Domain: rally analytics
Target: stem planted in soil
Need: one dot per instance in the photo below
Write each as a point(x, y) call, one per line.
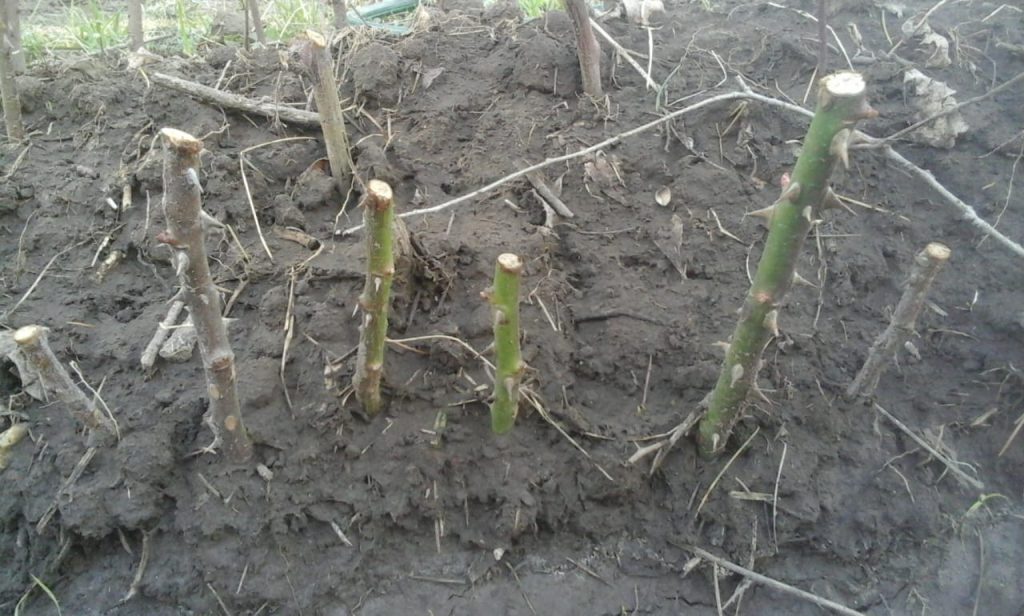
point(927, 265)
point(32, 341)
point(135, 29)
point(509, 366)
point(587, 47)
point(340, 8)
point(183, 211)
point(841, 103)
point(18, 59)
point(8, 88)
point(378, 216)
point(315, 58)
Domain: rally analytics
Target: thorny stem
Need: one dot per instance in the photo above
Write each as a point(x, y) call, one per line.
point(183, 211)
point(378, 215)
point(504, 299)
point(841, 103)
point(927, 265)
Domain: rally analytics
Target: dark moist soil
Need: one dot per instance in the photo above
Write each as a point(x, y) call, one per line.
point(454, 520)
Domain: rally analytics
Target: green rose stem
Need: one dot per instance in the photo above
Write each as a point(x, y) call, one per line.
point(378, 216)
point(504, 300)
point(841, 103)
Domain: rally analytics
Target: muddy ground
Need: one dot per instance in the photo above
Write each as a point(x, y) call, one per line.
point(454, 520)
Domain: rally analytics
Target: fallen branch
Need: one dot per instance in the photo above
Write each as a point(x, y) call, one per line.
point(744, 93)
point(968, 212)
point(235, 101)
point(773, 583)
point(950, 464)
point(549, 195)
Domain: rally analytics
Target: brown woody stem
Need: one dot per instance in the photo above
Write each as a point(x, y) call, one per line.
point(55, 379)
point(587, 47)
point(927, 265)
point(183, 211)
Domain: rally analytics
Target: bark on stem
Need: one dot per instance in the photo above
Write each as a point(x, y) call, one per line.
point(509, 366)
point(257, 21)
point(340, 14)
point(316, 59)
point(587, 47)
point(375, 301)
point(927, 265)
point(841, 103)
point(8, 88)
point(18, 59)
point(183, 211)
point(135, 29)
point(55, 379)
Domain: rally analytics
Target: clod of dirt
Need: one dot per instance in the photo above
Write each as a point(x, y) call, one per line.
point(540, 58)
point(313, 188)
point(375, 73)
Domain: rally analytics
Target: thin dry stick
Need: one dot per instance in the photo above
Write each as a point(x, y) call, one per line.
point(76, 472)
point(6, 315)
point(718, 477)
point(968, 212)
point(945, 112)
point(772, 583)
point(162, 331)
point(140, 571)
point(954, 467)
point(624, 53)
point(729, 96)
point(927, 265)
point(549, 195)
point(744, 93)
point(242, 161)
point(775, 498)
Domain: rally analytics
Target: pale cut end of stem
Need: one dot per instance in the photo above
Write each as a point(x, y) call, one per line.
point(849, 86)
point(937, 252)
point(379, 194)
point(180, 140)
point(845, 83)
point(28, 335)
point(510, 263)
point(316, 38)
